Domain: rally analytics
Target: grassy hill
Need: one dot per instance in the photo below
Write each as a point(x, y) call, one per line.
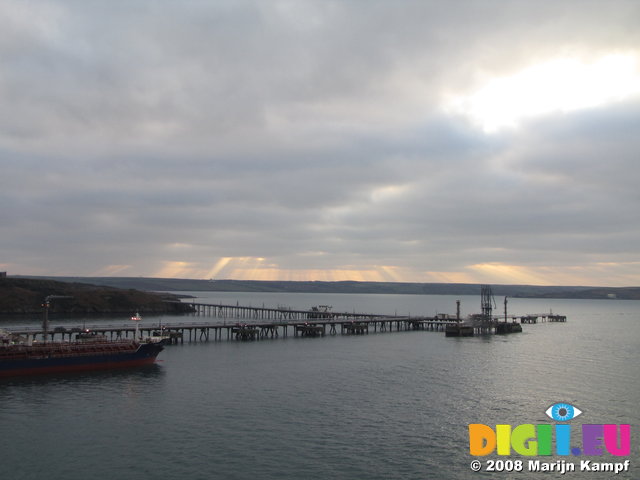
point(26, 295)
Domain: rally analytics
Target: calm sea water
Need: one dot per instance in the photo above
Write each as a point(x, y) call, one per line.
point(377, 406)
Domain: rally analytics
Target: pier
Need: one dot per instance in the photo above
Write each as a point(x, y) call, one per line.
point(255, 323)
point(486, 322)
point(286, 314)
point(542, 317)
point(174, 333)
point(282, 314)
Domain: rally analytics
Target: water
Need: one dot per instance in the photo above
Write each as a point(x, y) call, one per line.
point(377, 406)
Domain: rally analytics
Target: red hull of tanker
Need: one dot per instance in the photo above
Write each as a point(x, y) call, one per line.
point(19, 360)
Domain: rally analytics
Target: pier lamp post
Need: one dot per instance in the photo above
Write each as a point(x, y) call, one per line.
point(505, 309)
point(45, 314)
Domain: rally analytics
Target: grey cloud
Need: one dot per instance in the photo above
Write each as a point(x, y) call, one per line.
point(309, 133)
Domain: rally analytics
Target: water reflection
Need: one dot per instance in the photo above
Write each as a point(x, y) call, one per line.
point(143, 373)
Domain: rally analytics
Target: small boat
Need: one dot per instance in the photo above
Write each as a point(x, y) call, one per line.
point(160, 335)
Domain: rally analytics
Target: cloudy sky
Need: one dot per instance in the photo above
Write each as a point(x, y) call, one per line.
point(379, 140)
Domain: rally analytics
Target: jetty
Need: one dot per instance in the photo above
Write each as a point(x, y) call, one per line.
point(239, 322)
point(237, 330)
point(261, 323)
point(321, 312)
point(486, 322)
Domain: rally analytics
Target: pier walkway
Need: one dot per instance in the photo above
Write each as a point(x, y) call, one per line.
point(287, 314)
point(235, 322)
point(283, 314)
point(206, 331)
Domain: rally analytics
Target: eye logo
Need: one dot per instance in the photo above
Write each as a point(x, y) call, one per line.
point(562, 412)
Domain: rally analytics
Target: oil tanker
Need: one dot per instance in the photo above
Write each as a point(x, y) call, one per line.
point(17, 359)
point(88, 352)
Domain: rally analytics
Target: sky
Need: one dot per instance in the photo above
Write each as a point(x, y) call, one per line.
point(407, 141)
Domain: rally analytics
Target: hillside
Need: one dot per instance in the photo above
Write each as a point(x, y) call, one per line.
point(530, 291)
point(24, 295)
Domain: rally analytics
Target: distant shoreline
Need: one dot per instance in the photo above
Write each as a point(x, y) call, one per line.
point(151, 284)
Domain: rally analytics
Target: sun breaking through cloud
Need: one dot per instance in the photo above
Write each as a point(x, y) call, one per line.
point(560, 85)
